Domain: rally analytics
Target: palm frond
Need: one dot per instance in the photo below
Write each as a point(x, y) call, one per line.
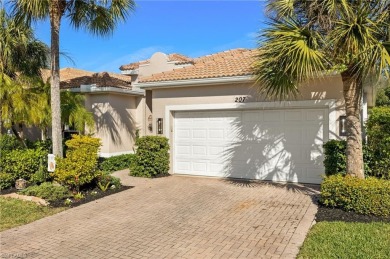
point(288, 55)
point(98, 17)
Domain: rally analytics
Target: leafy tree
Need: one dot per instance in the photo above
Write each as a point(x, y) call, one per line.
point(383, 96)
point(306, 39)
point(21, 59)
point(97, 16)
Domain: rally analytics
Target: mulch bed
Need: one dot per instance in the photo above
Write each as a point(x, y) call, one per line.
point(89, 195)
point(335, 214)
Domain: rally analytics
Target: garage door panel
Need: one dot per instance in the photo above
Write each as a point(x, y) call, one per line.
point(278, 145)
point(199, 134)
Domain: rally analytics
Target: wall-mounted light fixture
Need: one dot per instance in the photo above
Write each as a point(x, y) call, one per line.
point(343, 126)
point(150, 125)
point(159, 126)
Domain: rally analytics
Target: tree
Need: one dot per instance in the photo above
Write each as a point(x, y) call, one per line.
point(21, 59)
point(97, 16)
point(307, 39)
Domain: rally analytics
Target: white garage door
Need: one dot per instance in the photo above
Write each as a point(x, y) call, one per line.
point(277, 145)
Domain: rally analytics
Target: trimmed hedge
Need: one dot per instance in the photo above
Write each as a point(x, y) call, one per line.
point(116, 163)
point(364, 196)
point(152, 157)
point(23, 163)
point(80, 166)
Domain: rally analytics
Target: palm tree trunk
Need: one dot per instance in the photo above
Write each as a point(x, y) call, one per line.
point(55, 20)
point(353, 90)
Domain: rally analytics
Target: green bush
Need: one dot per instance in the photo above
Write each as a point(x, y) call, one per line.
point(335, 158)
point(105, 180)
point(364, 196)
point(47, 191)
point(152, 157)
point(8, 143)
point(80, 165)
point(335, 161)
point(6, 181)
point(116, 163)
point(378, 141)
point(23, 163)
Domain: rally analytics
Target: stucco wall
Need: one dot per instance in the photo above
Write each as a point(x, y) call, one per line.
point(323, 89)
point(329, 88)
point(115, 120)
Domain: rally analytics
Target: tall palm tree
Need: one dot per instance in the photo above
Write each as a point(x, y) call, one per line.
point(307, 39)
point(97, 16)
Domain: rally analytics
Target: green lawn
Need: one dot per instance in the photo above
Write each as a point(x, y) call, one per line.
point(347, 240)
point(15, 212)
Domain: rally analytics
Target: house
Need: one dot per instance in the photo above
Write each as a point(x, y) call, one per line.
point(217, 123)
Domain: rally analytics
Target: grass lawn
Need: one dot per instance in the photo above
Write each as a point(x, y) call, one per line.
point(347, 240)
point(14, 212)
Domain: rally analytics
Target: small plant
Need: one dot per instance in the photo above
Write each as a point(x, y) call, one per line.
point(68, 202)
point(78, 196)
point(105, 180)
point(47, 191)
point(103, 187)
point(152, 157)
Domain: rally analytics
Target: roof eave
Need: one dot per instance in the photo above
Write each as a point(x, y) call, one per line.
point(195, 82)
point(95, 89)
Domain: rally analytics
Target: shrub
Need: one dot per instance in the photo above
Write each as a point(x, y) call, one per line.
point(8, 143)
point(335, 158)
point(335, 161)
point(80, 165)
point(378, 144)
point(6, 181)
point(105, 180)
point(364, 196)
point(152, 157)
point(42, 175)
point(116, 163)
point(23, 163)
point(47, 191)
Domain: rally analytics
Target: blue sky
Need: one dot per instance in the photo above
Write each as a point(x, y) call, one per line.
point(192, 28)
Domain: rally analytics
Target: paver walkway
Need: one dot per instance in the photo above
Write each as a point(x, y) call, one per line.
point(174, 217)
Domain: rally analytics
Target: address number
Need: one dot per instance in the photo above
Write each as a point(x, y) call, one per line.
point(240, 99)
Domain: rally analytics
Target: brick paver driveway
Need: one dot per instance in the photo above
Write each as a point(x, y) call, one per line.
point(174, 217)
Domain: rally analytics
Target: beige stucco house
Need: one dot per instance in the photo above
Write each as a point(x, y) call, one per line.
point(216, 121)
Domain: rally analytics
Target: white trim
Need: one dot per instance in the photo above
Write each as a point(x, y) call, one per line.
point(95, 89)
point(195, 82)
point(115, 153)
point(330, 104)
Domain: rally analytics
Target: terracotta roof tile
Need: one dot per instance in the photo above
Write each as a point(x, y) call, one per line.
point(73, 78)
point(236, 62)
point(179, 58)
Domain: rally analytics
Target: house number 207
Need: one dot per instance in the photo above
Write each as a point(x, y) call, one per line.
point(240, 99)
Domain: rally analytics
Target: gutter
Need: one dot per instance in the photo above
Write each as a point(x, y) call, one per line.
point(95, 89)
point(195, 82)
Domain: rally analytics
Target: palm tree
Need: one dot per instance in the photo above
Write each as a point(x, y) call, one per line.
point(21, 59)
point(307, 39)
point(97, 16)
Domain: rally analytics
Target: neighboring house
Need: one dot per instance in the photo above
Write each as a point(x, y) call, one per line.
point(216, 121)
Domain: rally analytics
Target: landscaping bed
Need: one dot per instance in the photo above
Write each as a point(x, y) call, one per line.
point(336, 214)
point(89, 195)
